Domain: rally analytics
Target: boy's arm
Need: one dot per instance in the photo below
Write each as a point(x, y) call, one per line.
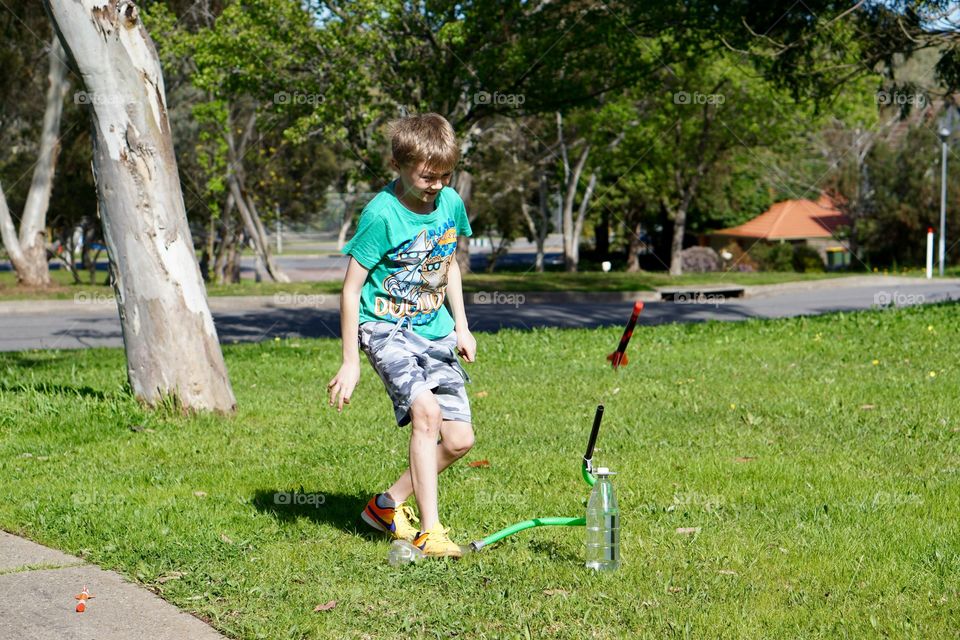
point(466, 344)
point(343, 384)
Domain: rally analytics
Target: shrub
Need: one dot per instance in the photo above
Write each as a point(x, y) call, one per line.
point(807, 259)
point(699, 260)
point(773, 257)
point(739, 260)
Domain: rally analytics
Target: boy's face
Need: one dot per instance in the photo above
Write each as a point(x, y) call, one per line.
point(422, 183)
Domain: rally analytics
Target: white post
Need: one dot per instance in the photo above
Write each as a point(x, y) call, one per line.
point(929, 252)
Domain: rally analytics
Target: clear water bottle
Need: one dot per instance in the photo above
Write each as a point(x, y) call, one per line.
point(402, 552)
point(603, 525)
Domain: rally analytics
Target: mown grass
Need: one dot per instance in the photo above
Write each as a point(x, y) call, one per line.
point(818, 459)
point(65, 289)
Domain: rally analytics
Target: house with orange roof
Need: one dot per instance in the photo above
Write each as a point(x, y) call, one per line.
point(816, 224)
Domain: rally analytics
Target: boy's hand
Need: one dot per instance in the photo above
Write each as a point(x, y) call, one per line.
point(343, 384)
point(466, 345)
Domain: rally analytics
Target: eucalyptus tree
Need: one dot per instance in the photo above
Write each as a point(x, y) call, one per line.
point(168, 331)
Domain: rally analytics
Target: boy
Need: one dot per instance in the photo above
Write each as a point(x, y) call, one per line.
point(402, 268)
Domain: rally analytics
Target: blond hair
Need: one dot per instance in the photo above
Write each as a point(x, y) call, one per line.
point(427, 138)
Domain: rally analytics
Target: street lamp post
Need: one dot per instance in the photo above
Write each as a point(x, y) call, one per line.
point(944, 137)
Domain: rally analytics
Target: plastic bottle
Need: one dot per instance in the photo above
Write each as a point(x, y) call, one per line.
point(603, 525)
point(402, 552)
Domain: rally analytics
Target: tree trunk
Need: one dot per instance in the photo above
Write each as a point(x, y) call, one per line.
point(601, 233)
point(676, 245)
point(464, 187)
point(251, 222)
point(171, 342)
point(578, 223)
point(633, 248)
point(28, 253)
point(571, 237)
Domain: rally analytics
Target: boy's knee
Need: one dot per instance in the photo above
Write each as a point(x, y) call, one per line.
point(426, 416)
point(458, 444)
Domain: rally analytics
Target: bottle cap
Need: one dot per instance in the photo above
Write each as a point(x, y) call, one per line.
point(603, 472)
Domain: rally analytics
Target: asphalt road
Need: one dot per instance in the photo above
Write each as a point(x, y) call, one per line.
point(82, 326)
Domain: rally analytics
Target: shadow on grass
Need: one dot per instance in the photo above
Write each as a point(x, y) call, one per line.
point(47, 388)
point(27, 359)
point(337, 509)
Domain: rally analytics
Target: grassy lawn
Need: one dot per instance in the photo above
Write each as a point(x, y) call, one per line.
point(818, 461)
point(64, 289)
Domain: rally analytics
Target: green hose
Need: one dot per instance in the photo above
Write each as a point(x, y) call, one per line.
point(537, 522)
point(587, 476)
point(528, 524)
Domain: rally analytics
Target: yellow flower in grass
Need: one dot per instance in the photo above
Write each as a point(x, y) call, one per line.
point(933, 374)
point(875, 362)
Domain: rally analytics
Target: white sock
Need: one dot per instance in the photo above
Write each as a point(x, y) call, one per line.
point(386, 502)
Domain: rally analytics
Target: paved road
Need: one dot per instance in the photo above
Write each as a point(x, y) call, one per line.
point(81, 326)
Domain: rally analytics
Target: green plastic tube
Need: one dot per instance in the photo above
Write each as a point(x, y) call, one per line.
point(528, 524)
point(537, 522)
point(587, 476)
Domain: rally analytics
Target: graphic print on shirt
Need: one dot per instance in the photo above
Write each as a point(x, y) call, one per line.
point(418, 288)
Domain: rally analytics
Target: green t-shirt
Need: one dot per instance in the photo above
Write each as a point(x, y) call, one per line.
point(408, 255)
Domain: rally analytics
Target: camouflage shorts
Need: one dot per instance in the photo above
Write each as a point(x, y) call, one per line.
point(410, 364)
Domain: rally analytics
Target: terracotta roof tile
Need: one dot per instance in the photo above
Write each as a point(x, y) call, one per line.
point(792, 220)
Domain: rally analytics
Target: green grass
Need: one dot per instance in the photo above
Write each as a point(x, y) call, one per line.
point(597, 281)
point(819, 458)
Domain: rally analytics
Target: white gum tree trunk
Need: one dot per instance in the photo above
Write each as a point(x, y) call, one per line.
point(168, 332)
point(28, 250)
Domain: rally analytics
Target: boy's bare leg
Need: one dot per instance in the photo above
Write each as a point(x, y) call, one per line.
point(427, 459)
point(456, 439)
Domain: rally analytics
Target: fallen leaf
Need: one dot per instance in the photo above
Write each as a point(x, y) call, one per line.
point(325, 607)
point(727, 572)
point(555, 592)
point(674, 589)
point(200, 494)
point(137, 427)
point(226, 538)
point(481, 394)
point(868, 407)
point(744, 459)
point(688, 530)
point(479, 463)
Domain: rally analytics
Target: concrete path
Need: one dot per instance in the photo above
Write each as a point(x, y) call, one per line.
point(38, 585)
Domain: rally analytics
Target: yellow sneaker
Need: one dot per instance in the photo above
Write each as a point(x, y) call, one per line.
point(396, 523)
point(437, 544)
